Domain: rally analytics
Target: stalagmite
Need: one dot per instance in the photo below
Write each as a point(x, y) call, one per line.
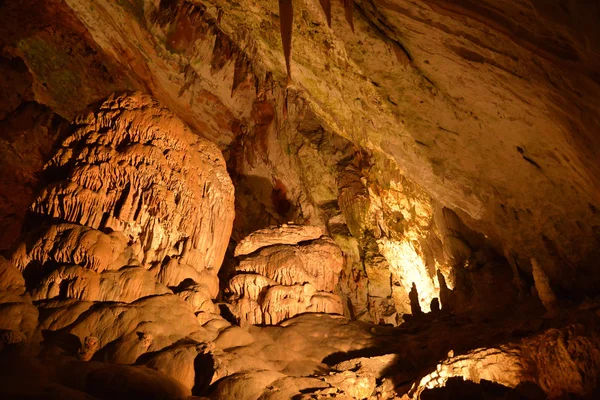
point(131, 231)
point(415, 307)
point(544, 291)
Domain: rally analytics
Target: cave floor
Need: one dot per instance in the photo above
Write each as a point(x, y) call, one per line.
point(317, 356)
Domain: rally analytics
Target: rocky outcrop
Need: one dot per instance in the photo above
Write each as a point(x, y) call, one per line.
point(559, 361)
point(131, 187)
point(398, 363)
point(284, 234)
point(284, 279)
point(125, 244)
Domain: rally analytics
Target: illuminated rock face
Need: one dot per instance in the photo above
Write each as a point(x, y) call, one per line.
point(312, 152)
point(133, 170)
point(278, 281)
point(394, 222)
point(128, 236)
point(557, 361)
point(285, 234)
point(133, 167)
point(463, 125)
point(442, 152)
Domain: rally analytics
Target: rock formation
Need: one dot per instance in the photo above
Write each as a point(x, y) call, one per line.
point(543, 288)
point(262, 200)
point(135, 209)
point(285, 271)
point(551, 360)
point(130, 187)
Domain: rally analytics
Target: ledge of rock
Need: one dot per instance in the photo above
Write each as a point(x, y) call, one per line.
point(278, 281)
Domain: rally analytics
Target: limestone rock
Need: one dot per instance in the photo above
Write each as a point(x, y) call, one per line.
point(88, 348)
point(245, 385)
point(178, 362)
point(58, 314)
point(290, 387)
point(317, 262)
point(353, 385)
point(233, 336)
point(18, 316)
point(135, 202)
point(279, 281)
point(543, 288)
point(250, 286)
point(133, 167)
point(419, 120)
point(559, 361)
point(124, 285)
point(19, 319)
point(126, 331)
point(74, 244)
point(199, 297)
point(121, 382)
point(11, 280)
point(228, 363)
point(284, 234)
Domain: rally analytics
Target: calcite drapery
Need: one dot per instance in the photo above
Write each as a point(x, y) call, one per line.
point(134, 167)
point(276, 282)
point(130, 233)
point(284, 234)
point(138, 188)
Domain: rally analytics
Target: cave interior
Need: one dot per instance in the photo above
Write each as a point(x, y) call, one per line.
point(261, 200)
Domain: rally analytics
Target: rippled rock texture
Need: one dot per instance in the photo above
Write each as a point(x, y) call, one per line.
point(124, 244)
point(284, 272)
point(130, 187)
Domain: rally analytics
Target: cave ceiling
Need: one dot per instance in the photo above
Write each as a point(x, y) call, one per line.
point(490, 106)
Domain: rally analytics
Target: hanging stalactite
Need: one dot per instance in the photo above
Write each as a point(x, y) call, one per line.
point(286, 15)
point(326, 5)
point(348, 12)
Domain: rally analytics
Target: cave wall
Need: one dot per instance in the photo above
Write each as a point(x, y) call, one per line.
point(176, 213)
point(423, 109)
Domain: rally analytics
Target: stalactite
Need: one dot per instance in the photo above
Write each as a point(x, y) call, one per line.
point(286, 15)
point(326, 5)
point(348, 12)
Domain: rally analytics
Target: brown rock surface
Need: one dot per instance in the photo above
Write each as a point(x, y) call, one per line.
point(133, 167)
point(19, 317)
point(134, 202)
point(134, 171)
point(455, 95)
point(434, 158)
point(285, 234)
point(559, 361)
point(278, 281)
